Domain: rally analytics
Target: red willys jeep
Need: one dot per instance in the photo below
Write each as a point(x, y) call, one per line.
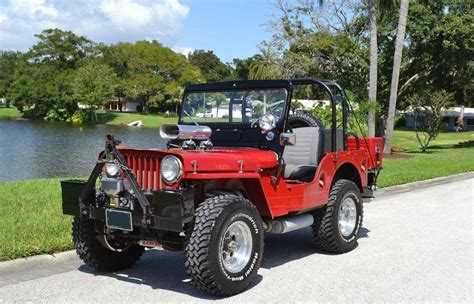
point(238, 164)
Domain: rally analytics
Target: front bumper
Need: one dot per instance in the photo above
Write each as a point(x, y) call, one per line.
point(170, 211)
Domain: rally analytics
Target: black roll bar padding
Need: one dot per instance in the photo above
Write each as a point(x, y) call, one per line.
point(345, 109)
point(349, 106)
point(279, 168)
point(231, 107)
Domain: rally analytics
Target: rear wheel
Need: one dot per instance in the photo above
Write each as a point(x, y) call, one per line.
point(302, 119)
point(100, 250)
point(337, 224)
point(224, 245)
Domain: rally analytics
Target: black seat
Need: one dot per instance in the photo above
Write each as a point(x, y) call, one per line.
point(301, 160)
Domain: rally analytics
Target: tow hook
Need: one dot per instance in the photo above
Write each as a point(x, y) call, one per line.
point(146, 220)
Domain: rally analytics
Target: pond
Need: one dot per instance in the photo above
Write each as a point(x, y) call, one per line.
point(36, 149)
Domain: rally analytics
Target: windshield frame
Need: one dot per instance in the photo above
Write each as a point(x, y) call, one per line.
point(230, 86)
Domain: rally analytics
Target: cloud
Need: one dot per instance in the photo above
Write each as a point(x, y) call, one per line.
point(126, 14)
point(33, 9)
point(183, 50)
point(106, 21)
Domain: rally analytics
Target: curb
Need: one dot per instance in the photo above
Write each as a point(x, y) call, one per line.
point(39, 259)
point(25, 269)
point(398, 189)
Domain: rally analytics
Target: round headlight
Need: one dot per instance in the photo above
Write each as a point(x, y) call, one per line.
point(171, 169)
point(112, 169)
point(267, 122)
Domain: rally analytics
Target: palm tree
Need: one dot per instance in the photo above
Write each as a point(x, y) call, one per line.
point(265, 66)
point(397, 59)
point(218, 99)
point(372, 8)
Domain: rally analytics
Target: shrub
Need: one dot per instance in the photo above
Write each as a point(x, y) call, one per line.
point(80, 116)
point(429, 108)
point(400, 121)
point(35, 112)
point(56, 115)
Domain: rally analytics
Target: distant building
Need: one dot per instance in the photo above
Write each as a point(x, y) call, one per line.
point(121, 105)
point(451, 117)
point(115, 105)
point(3, 101)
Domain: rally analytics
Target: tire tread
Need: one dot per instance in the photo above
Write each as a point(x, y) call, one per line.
point(198, 236)
point(94, 254)
point(323, 230)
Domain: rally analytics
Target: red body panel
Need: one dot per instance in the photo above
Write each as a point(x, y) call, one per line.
point(373, 146)
point(256, 172)
point(222, 159)
point(290, 196)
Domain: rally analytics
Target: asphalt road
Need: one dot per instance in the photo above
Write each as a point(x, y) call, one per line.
point(416, 245)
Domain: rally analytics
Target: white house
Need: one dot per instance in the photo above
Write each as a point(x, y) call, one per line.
point(122, 105)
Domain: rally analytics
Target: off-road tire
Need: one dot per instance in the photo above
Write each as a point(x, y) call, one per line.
point(203, 237)
point(95, 254)
point(326, 227)
point(302, 119)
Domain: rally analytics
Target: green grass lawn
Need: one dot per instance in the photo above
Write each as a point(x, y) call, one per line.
point(31, 220)
point(11, 112)
point(149, 120)
point(444, 157)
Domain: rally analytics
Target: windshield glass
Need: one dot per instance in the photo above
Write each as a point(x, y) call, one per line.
point(243, 106)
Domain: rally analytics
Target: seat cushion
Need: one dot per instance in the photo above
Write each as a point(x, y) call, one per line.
point(306, 149)
point(301, 159)
point(304, 173)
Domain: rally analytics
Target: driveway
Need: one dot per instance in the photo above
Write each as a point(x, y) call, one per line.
point(416, 245)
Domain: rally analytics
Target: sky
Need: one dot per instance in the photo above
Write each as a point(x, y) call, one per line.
point(230, 28)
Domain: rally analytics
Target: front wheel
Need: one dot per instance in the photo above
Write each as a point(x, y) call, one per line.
point(224, 245)
point(101, 251)
point(337, 224)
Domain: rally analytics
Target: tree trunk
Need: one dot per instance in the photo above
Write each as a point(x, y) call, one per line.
point(397, 59)
point(460, 121)
point(373, 66)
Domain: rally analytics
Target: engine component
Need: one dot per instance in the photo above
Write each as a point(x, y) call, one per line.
point(173, 131)
point(111, 186)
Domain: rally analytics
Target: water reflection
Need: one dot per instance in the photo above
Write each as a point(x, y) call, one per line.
point(35, 149)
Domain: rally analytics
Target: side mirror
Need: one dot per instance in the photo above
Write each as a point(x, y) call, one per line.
point(287, 139)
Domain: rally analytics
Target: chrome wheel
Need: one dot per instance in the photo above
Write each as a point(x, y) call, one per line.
point(236, 247)
point(347, 216)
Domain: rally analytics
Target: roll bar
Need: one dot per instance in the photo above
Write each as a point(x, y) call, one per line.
point(341, 97)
